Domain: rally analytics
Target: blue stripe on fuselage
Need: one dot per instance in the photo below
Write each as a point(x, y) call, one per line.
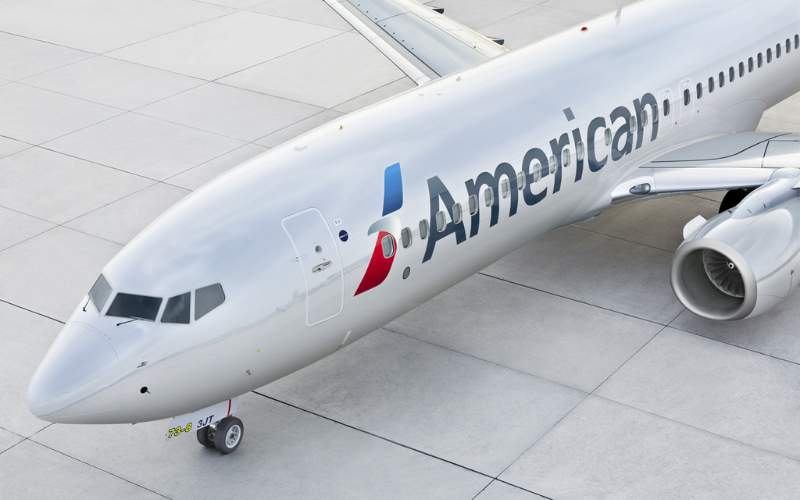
point(392, 189)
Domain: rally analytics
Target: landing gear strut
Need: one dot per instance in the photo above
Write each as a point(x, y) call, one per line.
point(733, 198)
point(224, 436)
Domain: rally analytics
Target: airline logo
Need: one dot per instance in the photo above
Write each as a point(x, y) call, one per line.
point(380, 264)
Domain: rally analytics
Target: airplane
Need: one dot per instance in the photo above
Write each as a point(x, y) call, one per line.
point(307, 247)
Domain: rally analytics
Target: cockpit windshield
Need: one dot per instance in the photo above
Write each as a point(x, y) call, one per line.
point(100, 292)
point(126, 305)
point(177, 311)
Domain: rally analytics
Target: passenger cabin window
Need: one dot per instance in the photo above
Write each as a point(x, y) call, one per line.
point(760, 59)
point(504, 188)
point(778, 51)
point(177, 309)
point(441, 221)
point(472, 204)
point(521, 181)
point(788, 46)
point(566, 157)
point(797, 42)
point(750, 65)
point(699, 90)
point(769, 56)
point(488, 197)
point(126, 305)
point(580, 151)
point(405, 237)
point(711, 85)
point(457, 213)
point(721, 79)
point(741, 69)
point(536, 171)
point(210, 297)
point(608, 137)
point(387, 247)
point(99, 293)
point(687, 97)
point(423, 229)
point(731, 74)
point(666, 107)
point(645, 118)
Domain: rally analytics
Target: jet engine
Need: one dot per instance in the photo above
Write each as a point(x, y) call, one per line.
point(746, 260)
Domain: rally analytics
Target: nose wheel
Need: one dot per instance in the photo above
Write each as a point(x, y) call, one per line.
point(224, 436)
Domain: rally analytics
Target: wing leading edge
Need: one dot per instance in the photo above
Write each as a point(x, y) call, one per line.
point(423, 43)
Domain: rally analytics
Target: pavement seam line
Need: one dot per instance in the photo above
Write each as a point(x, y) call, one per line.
point(382, 438)
point(39, 443)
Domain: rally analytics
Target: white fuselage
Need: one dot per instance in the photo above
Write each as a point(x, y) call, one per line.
point(269, 230)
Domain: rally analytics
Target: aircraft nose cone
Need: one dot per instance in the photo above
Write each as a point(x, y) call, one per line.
point(70, 370)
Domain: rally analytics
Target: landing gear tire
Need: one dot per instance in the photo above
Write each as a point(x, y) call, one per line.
point(228, 435)
point(204, 438)
point(733, 198)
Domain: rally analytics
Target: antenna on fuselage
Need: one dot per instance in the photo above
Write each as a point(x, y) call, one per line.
point(618, 17)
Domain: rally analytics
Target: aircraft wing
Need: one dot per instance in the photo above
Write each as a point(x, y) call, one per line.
point(727, 162)
point(419, 39)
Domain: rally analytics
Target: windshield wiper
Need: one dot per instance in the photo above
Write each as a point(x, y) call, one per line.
point(130, 319)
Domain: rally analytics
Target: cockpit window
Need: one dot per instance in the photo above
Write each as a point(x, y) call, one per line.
point(100, 292)
point(207, 299)
point(134, 306)
point(177, 309)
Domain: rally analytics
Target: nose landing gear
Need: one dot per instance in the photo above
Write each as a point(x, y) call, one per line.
point(224, 436)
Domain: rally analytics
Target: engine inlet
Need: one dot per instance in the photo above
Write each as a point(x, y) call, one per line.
point(723, 274)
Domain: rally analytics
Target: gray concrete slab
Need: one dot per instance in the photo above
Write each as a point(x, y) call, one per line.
point(125, 218)
point(90, 25)
point(195, 177)
point(10, 146)
point(374, 96)
point(502, 491)
point(67, 263)
point(308, 11)
point(589, 267)
point(723, 389)
point(24, 339)
point(113, 82)
point(225, 45)
point(144, 146)
point(18, 227)
point(21, 57)
point(774, 334)
point(285, 134)
point(34, 115)
point(657, 223)
point(484, 424)
point(294, 455)
point(230, 111)
point(358, 65)
point(8, 439)
point(58, 188)
point(30, 470)
point(514, 327)
point(606, 450)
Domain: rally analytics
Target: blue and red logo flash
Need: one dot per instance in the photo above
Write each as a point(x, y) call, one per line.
point(380, 265)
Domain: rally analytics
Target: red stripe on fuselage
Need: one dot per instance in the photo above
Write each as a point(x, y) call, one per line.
point(379, 266)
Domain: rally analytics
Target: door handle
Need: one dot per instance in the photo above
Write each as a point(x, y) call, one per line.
point(322, 266)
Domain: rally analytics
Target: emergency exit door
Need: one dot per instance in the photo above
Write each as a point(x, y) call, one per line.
point(318, 257)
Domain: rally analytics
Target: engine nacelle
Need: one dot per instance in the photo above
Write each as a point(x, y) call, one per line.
point(743, 262)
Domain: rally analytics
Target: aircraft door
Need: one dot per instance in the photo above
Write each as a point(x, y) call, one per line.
point(318, 257)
